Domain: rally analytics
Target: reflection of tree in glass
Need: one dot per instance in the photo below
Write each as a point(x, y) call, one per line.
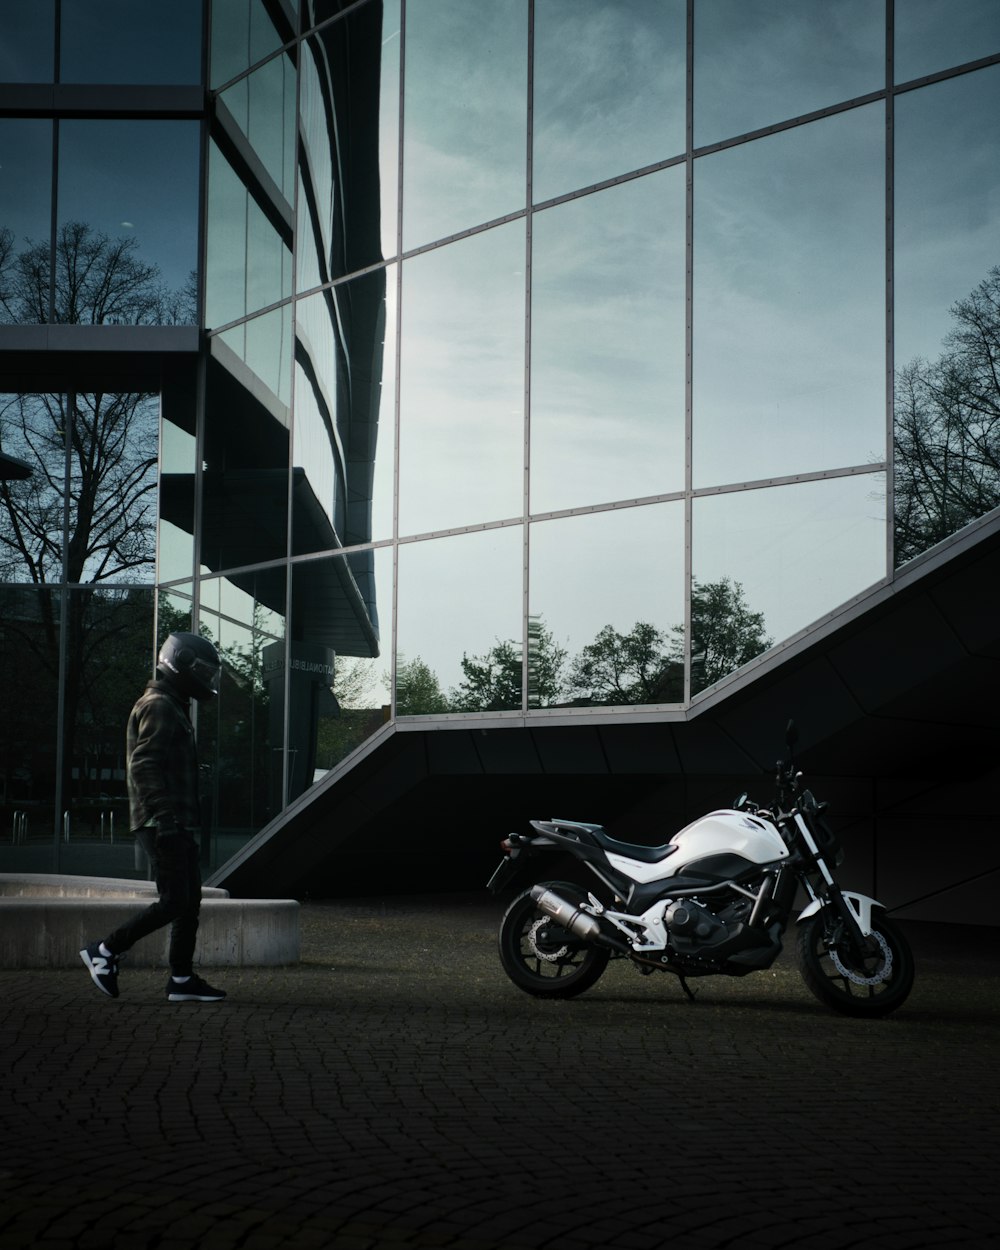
point(947, 428)
point(724, 632)
point(96, 280)
point(646, 665)
point(418, 692)
point(86, 516)
point(636, 667)
point(492, 682)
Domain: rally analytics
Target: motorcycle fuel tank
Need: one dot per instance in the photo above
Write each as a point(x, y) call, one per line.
point(725, 832)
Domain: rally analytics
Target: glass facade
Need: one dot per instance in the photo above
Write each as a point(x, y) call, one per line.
point(557, 358)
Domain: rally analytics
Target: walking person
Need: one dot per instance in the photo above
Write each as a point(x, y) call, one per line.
point(162, 776)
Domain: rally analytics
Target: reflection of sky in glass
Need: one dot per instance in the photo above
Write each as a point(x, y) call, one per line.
point(608, 568)
point(932, 35)
point(459, 595)
point(758, 62)
point(25, 179)
point(607, 352)
point(385, 456)
point(27, 48)
point(789, 264)
point(465, 115)
point(798, 551)
point(131, 41)
point(947, 204)
point(609, 89)
point(137, 179)
point(462, 383)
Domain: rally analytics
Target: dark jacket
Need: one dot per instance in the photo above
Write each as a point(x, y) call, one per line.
point(161, 764)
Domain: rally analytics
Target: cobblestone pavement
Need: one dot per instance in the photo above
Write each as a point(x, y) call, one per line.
point(395, 1089)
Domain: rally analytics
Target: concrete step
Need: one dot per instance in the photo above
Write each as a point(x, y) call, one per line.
point(46, 921)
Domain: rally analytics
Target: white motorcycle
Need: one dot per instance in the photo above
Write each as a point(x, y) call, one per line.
point(714, 900)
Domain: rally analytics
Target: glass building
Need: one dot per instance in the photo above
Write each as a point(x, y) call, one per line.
point(511, 389)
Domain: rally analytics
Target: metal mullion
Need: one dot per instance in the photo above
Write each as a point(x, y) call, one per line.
point(890, 294)
point(688, 347)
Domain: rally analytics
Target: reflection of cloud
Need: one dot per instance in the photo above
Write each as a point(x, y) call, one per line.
point(462, 383)
point(947, 204)
point(607, 417)
point(609, 86)
point(463, 165)
point(789, 356)
point(758, 62)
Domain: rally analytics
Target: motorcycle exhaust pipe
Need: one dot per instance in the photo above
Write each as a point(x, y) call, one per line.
point(580, 923)
point(565, 913)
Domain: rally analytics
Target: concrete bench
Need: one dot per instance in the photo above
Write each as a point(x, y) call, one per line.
point(46, 920)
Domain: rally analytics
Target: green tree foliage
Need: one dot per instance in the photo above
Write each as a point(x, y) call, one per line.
point(492, 682)
point(947, 428)
point(724, 632)
point(417, 690)
point(635, 667)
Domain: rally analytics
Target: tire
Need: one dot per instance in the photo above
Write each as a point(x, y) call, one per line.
point(838, 982)
point(540, 956)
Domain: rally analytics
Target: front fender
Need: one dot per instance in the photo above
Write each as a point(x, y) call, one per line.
point(860, 904)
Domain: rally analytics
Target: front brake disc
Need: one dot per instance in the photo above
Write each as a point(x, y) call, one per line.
point(883, 973)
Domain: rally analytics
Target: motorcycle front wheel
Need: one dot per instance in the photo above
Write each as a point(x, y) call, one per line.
point(540, 956)
point(870, 986)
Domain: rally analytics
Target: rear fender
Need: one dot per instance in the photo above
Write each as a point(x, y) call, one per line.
point(860, 904)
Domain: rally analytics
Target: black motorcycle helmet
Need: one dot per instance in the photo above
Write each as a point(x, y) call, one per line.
point(193, 664)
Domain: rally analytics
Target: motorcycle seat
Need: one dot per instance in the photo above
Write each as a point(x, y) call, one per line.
point(596, 836)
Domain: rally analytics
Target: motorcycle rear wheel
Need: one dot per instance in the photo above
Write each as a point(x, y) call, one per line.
point(874, 986)
point(540, 956)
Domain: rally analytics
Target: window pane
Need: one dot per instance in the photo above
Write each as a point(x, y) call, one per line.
point(29, 671)
point(32, 518)
point(789, 296)
point(607, 349)
point(245, 478)
point(112, 510)
point(947, 296)
point(462, 376)
point(128, 213)
point(263, 107)
point(131, 41)
point(932, 35)
point(25, 219)
point(242, 34)
point(240, 732)
point(607, 590)
point(767, 563)
point(340, 660)
point(226, 252)
point(758, 62)
point(466, 655)
point(465, 115)
point(103, 625)
point(27, 49)
point(178, 462)
point(343, 415)
point(349, 144)
point(609, 89)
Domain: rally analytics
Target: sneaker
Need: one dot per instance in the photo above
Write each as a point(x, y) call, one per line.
point(193, 990)
point(102, 968)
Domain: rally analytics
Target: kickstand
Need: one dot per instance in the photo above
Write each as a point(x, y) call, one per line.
point(687, 989)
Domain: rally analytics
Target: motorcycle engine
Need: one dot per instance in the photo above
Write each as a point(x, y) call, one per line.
point(688, 919)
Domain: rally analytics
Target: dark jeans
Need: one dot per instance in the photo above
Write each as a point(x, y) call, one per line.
point(177, 871)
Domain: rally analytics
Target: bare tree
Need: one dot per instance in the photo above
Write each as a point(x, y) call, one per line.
point(947, 428)
point(86, 516)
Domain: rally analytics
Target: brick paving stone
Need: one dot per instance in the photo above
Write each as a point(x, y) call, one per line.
point(395, 1090)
